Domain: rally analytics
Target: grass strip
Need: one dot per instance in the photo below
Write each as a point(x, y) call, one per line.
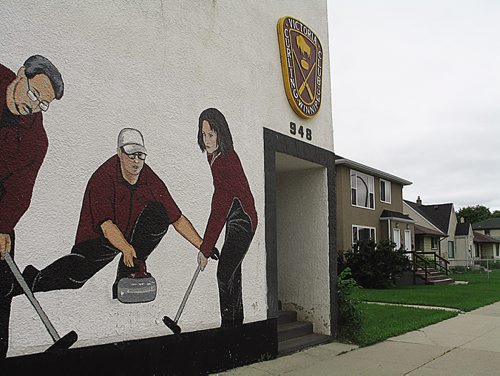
point(480, 291)
point(380, 322)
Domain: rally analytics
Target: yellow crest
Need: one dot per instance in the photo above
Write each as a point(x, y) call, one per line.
point(302, 66)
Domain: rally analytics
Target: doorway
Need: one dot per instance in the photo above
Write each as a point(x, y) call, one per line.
point(300, 230)
point(302, 240)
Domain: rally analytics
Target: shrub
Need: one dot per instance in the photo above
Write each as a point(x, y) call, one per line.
point(349, 322)
point(341, 261)
point(376, 266)
point(459, 269)
point(494, 264)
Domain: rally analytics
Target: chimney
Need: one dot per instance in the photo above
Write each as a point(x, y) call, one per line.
point(419, 201)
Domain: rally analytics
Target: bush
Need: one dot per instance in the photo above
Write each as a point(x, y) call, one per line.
point(376, 266)
point(489, 264)
point(341, 261)
point(459, 269)
point(349, 322)
point(494, 264)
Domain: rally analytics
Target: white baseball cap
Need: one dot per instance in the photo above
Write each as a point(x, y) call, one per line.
point(131, 141)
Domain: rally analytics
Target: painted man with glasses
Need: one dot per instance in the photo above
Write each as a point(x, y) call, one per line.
point(126, 210)
point(23, 145)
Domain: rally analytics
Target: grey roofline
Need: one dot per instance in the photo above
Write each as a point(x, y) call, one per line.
point(372, 171)
point(397, 219)
point(438, 233)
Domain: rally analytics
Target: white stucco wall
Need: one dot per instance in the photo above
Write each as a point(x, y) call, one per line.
point(152, 65)
point(302, 221)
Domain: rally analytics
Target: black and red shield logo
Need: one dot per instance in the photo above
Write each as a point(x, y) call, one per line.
point(302, 66)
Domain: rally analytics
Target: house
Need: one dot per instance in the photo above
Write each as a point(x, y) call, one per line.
point(370, 206)
point(464, 239)
point(428, 239)
point(439, 231)
point(490, 226)
point(486, 247)
point(487, 239)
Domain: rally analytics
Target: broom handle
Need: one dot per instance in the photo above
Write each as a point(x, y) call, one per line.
point(29, 294)
point(186, 295)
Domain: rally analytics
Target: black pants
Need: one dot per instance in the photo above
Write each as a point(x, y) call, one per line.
point(87, 258)
point(7, 284)
point(239, 235)
point(84, 261)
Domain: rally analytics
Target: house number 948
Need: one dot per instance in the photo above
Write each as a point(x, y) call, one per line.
point(294, 129)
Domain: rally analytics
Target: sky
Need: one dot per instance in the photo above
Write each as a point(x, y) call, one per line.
point(416, 93)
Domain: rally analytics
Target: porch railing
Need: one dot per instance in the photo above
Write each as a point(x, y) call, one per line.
point(420, 260)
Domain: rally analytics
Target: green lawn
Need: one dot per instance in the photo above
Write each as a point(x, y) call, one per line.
point(479, 292)
point(381, 322)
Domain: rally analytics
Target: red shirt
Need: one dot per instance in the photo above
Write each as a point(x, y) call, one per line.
point(230, 183)
point(23, 145)
point(110, 197)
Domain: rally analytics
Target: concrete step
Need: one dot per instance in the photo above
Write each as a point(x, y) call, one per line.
point(437, 276)
point(434, 277)
point(294, 329)
point(286, 317)
point(299, 343)
point(422, 272)
point(440, 281)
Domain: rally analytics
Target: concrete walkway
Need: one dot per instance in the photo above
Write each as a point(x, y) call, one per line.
point(468, 344)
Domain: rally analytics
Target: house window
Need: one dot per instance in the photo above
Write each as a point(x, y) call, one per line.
point(497, 250)
point(362, 190)
point(486, 232)
point(434, 243)
point(360, 233)
point(478, 249)
point(451, 249)
point(385, 191)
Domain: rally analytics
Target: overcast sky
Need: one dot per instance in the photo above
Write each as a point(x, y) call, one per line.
point(416, 93)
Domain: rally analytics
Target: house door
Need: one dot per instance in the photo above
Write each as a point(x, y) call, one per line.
point(396, 237)
point(408, 243)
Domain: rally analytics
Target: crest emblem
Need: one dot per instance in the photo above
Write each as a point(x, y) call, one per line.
point(301, 65)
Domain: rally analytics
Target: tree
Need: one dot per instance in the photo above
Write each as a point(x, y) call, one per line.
point(495, 214)
point(376, 265)
point(474, 214)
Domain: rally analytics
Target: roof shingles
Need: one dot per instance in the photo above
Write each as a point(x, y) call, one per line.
point(438, 215)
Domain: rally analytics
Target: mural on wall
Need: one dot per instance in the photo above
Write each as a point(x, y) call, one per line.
point(23, 98)
point(128, 66)
point(233, 206)
point(302, 66)
point(126, 210)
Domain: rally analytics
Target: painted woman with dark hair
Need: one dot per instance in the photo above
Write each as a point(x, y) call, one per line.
point(233, 206)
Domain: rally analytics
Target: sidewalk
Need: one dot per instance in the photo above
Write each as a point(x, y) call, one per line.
point(468, 344)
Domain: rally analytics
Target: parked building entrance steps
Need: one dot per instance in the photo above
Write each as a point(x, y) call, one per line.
point(296, 335)
point(434, 277)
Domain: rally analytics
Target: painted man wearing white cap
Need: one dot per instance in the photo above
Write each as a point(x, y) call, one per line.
point(127, 209)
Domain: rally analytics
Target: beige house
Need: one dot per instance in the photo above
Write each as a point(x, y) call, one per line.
point(438, 230)
point(370, 206)
point(487, 239)
point(486, 247)
point(490, 227)
point(427, 239)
